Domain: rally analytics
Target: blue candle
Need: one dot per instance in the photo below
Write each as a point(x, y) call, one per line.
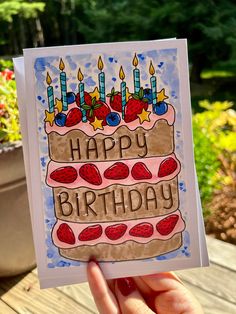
point(81, 95)
point(101, 80)
point(136, 75)
point(153, 81)
point(63, 86)
point(50, 94)
point(123, 91)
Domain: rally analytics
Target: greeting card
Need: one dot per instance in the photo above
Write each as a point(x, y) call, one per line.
point(108, 146)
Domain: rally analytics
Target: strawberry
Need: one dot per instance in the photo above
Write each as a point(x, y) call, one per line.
point(142, 230)
point(115, 100)
point(115, 232)
point(87, 99)
point(91, 174)
point(135, 106)
point(117, 171)
point(98, 109)
point(167, 166)
point(91, 233)
point(65, 234)
point(140, 171)
point(74, 116)
point(166, 225)
point(66, 174)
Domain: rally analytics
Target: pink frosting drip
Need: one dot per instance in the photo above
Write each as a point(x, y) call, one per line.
point(169, 116)
point(78, 227)
point(152, 163)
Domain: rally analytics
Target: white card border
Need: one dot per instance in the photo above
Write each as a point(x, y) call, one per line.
point(61, 276)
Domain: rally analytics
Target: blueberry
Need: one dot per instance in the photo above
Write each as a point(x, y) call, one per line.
point(60, 119)
point(113, 119)
point(70, 97)
point(148, 94)
point(160, 108)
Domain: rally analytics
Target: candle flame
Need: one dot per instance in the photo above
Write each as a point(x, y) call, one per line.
point(151, 69)
point(80, 75)
point(135, 60)
point(48, 79)
point(121, 73)
point(61, 65)
point(100, 63)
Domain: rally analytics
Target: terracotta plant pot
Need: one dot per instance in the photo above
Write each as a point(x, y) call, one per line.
point(16, 243)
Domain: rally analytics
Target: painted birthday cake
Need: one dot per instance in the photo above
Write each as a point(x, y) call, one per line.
point(113, 169)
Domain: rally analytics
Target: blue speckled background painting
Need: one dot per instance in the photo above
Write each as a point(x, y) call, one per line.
point(165, 62)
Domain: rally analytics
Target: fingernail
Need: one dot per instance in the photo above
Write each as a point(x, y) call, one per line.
point(126, 286)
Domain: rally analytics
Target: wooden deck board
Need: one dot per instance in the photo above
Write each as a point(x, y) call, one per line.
point(26, 297)
point(222, 253)
point(210, 303)
point(80, 293)
point(214, 287)
point(5, 309)
point(216, 280)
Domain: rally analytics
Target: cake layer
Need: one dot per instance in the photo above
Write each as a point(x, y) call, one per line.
point(116, 203)
point(70, 234)
point(100, 175)
point(157, 139)
point(129, 250)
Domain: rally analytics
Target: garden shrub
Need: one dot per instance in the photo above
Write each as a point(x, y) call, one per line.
point(9, 113)
point(215, 147)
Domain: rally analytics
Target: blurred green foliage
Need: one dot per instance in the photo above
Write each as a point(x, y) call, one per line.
point(6, 64)
point(214, 133)
point(9, 113)
point(209, 26)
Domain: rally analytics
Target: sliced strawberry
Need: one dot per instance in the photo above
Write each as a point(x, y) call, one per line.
point(142, 230)
point(91, 233)
point(66, 174)
point(65, 234)
point(87, 99)
point(115, 232)
point(91, 174)
point(118, 171)
point(140, 171)
point(74, 116)
point(115, 100)
point(167, 167)
point(135, 106)
point(166, 225)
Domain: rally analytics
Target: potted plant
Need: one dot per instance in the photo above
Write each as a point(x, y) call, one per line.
point(16, 245)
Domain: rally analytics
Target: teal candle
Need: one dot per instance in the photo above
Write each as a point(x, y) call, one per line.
point(101, 78)
point(136, 74)
point(154, 90)
point(123, 97)
point(50, 93)
point(63, 91)
point(81, 97)
point(50, 99)
point(153, 81)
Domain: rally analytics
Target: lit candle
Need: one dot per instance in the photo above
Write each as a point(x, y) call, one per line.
point(63, 86)
point(136, 74)
point(123, 91)
point(81, 95)
point(101, 79)
point(50, 93)
point(153, 81)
